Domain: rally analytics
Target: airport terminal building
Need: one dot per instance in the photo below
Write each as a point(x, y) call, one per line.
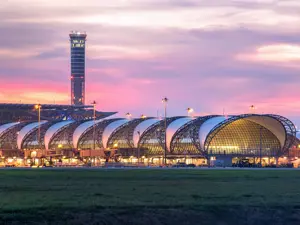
point(71, 133)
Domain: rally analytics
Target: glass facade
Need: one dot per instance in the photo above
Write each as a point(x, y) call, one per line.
point(237, 136)
point(77, 41)
point(244, 137)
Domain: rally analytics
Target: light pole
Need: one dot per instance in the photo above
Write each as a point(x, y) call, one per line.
point(190, 111)
point(94, 128)
point(252, 109)
point(260, 144)
point(139, 133)
point(128, 115)
point(38, 108)
point(165, 101)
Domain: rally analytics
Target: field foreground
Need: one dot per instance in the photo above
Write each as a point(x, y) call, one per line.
point(177, 196)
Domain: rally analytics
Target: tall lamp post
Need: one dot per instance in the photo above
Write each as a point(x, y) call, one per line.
point(260, 145)
point(38, 108)
point(139, 133)
point(128, 115)
point(165, 101)
point(190, 111)
point(252, 109)
point(94, 129)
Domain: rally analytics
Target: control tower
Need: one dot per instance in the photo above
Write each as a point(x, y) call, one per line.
point(77, 41)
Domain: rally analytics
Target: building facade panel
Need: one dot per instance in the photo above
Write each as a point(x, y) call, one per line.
point(7, 126)
point(141, 128)
point(123, 137)
point(186, 139)
point(53, 129)
point(25, 131)
point(173, 127)
point(89, 140)
point(244, 137)
point(207, 126)
point(110, 129)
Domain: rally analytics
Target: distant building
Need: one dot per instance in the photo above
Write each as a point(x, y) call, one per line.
point(216, 138)
point(77, 41)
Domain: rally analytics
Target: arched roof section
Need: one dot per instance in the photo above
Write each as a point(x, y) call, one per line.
point(153, 138)
point(207, 126)
point(142, 127)
point(26, 130)
point(81, 129)
point(53, 130)
point(186, 138)
point(123, 135)
point(110, 129)
point(280, 126)
point(173, 127)
point(271, 124)
point(5, 127)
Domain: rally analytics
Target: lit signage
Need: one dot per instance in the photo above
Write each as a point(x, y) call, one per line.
point(77, 43)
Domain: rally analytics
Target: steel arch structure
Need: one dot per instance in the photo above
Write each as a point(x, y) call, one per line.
point(32, 136)
point(123, 135)
point(64, 136)
point(288, 126)
point(8, 139)
point(189, 131)
point(88, 134)
point(153, 138)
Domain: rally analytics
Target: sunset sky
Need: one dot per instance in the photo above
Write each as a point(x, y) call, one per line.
point(204, 54)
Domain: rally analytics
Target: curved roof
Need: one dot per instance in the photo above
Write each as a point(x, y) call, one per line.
point(272, 125)
point(110, 129)
point(270, 122)
point(207, 126)
point(25, 130)
point(173, 127)
point(53, 129)
point(81, 129)
point(7, 126)
point(142, 127)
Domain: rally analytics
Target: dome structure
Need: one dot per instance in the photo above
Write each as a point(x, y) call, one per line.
point(236, 135)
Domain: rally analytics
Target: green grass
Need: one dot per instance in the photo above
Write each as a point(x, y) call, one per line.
point(75, 196)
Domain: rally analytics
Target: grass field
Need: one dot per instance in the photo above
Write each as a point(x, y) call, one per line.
point(78, 196)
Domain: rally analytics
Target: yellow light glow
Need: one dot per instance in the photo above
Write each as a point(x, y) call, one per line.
point(60, 146)
point(9, 160)
point(143, 116)
point(190, 110)
point(298, 146)
point(225, 147)
point(115, 145)
point(33, 154)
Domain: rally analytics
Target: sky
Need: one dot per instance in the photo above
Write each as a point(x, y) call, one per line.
point(213, 56)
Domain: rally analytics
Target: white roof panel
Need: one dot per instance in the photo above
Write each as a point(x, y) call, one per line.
point(173, 127)
point(53, 129)
point(272, 125)
point(142, 127)
point(207, 126)
point(7, 126)
point(25, 130)
point(110, 129)
point(81, 129)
